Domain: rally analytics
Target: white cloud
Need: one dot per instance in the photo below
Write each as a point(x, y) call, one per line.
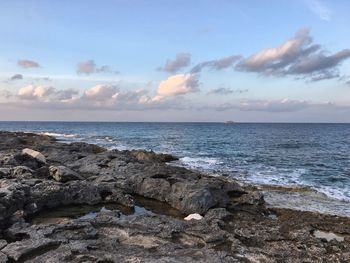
point(32, 92)
point(175, 85)
point(44, 93)
point(297, 56)
point(271, 59)
point(101, 92)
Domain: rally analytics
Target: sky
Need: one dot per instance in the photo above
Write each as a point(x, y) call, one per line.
point(183, 61)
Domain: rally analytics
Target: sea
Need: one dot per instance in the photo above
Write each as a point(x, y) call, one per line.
point(291, 155)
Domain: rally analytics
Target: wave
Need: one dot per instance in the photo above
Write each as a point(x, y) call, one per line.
point(275, 176)
point(293, 178)
point(338, 194)
point(206, 163)
point(59, 134)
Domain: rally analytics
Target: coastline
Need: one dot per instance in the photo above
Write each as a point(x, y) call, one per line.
point(236, 225)
point(296, 196)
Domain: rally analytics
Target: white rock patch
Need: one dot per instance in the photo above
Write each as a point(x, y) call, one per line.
point(37, 155)
point(194, 216)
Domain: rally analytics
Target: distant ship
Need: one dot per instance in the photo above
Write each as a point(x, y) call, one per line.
point(229, 122)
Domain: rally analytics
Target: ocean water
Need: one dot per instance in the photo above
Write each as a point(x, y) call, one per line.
point(313, 155)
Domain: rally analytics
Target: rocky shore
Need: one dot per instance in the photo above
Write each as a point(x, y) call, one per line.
point(81, 203)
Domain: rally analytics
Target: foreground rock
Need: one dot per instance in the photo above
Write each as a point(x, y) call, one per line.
point(134, 208)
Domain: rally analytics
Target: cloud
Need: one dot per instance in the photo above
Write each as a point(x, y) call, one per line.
point(64, 95)
point(318, 62)
point(89, 67)
point(16, 77)
point(320, 9)
point(218, 64)
point(324, 76)
point(181, 60)
point(284, 105)
point(101, 92)
point(113, 98)
point(175, 85)
point(298, 56)
point(25, 63)
point(226, 91)
point(44, 93)
point(5, 94)
point(32, 92)
point(272, 60)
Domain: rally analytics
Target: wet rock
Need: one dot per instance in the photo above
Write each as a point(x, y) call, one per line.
point(151, 156)
point(63, 174)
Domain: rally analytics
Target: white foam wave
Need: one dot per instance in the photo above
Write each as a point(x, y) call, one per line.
point(59, 134)
point(339, 194)
point(275, 176)
point(286, 177)
point(206, 163)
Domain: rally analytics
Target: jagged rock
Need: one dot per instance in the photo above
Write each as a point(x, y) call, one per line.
point(5, 172)
point(237, 226)
point(63, 174)
point(3, 243)
point(22, 172)
point(21, 249)
point(151, 156)
point(3, 258)
point(35, 154)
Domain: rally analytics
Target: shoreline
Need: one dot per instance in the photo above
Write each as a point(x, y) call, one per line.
point(107, 221)
point(333, 205)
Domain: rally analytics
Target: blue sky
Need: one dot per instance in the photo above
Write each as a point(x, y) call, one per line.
point(261, 61)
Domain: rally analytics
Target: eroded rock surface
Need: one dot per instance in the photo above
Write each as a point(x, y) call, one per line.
point(236, 226)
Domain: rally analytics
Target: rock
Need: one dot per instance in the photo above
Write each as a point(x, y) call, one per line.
point(63, 174)
point(22, 172)
point(21, 249)
point(217, 214)
point(37, 155)
point(3, 243)
point(5, 172)
point(194, 216)
point(3, 258)
point(44, 220)
point(151, 156)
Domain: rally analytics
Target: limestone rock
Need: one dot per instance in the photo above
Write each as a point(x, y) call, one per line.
point(20, 249)
point(3, 258)
point(151, 156)
point(35, 154)
point(63, 174)
point(194, 216)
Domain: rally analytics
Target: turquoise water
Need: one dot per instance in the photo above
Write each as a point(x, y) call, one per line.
point(315, 155)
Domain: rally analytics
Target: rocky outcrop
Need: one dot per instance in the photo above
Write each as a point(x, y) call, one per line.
point(63, 174)
point(35, 154)
point(136, 208)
